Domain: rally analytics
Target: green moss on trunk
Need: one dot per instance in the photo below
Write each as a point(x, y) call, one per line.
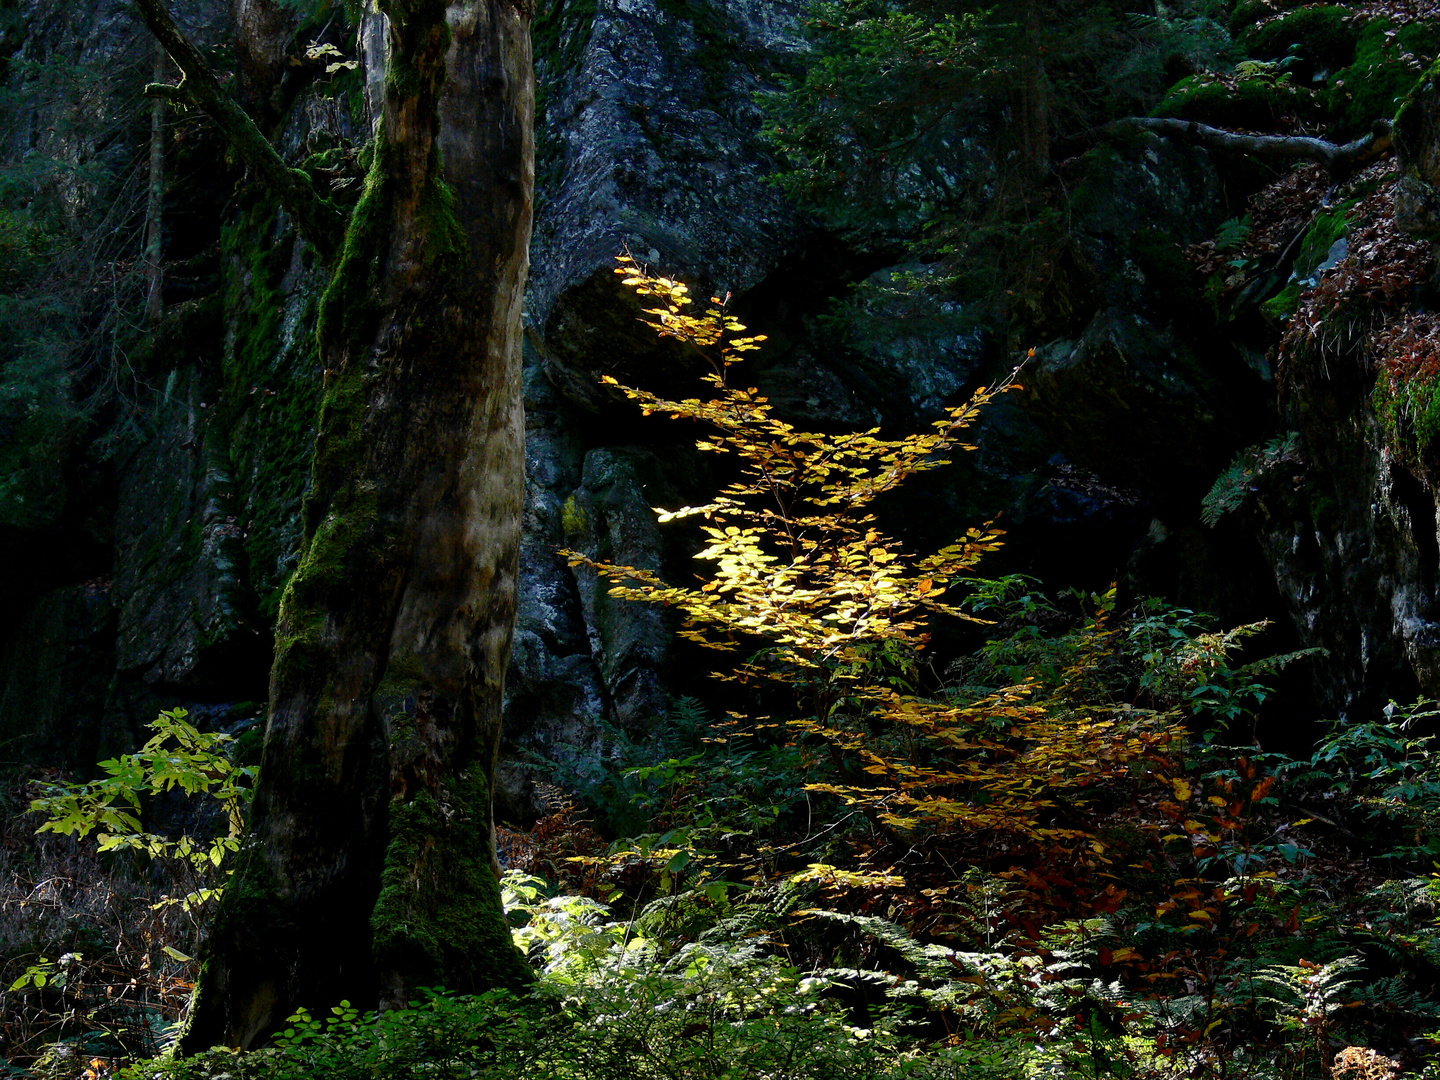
point(439, 916)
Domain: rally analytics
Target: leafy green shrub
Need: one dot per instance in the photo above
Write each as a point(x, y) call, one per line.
point(99, 964)
point(1391, 772)
point(615, 1004)
point(178, 757)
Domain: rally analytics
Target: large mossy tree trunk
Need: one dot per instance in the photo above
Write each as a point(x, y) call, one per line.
point(369, 868)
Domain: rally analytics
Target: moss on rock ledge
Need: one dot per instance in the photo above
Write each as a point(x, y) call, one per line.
point(271, 390)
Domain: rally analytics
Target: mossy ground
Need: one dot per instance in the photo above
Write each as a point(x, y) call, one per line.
point(1385, 67)
point(1314, 248)
point(1332, 62)
point(1326, 36)
point(1255, 103)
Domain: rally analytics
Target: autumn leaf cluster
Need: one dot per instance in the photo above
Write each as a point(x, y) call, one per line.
point(799, 573)
point(796, 555)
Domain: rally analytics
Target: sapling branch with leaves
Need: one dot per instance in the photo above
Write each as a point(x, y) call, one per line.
point(178, 757)
point(799, 559)
point(826, 604)
point(118, 809)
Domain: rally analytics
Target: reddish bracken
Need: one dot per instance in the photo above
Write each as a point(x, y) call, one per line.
point(1354, 307)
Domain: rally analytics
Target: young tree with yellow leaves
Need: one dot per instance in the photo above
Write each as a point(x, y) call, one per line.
point(798, 558)
point(800, 565)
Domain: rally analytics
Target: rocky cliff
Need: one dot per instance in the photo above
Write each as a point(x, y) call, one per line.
point(151, 526)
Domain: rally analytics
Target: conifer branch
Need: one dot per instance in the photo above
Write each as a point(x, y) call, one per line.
point(317, 219)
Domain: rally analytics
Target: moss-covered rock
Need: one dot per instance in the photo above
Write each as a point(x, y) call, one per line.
point(272, 385)
point(1260, 102)
point(1248, 12)
point(1386, 66)
point(1328, 227)
point(185, 615)
point(1167, 271)
point(1151, 191)
point(1408, 412)
point(1323, 36)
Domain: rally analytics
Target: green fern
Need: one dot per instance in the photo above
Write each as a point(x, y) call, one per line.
point(1244, 475)
point(1305, 995)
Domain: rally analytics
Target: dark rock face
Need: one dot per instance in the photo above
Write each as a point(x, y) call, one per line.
point(1351, 530)
point(555, 696)
point(1135, 402)
point(1355, 553)
point(651, 143)
point(70, 71)
point(58, 662)
point(609, 517)
point(178, 544)
point(216, 424)
point(928, 355)
point(1148, 400)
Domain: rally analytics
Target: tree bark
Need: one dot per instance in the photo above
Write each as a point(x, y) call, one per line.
point(155, 204)
point(1034, 98)
point(263, 33)
point(369, 866)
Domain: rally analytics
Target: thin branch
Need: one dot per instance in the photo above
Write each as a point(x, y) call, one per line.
point(317, 219)
point(166, 92)
point(1340, 160)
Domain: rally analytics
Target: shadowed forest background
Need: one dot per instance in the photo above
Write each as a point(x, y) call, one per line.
point(977, 582)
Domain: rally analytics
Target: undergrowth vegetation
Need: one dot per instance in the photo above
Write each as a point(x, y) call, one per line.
point(1059, 855)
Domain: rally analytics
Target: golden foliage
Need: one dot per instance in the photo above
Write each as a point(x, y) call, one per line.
point(797, 558)
point(798, 563)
